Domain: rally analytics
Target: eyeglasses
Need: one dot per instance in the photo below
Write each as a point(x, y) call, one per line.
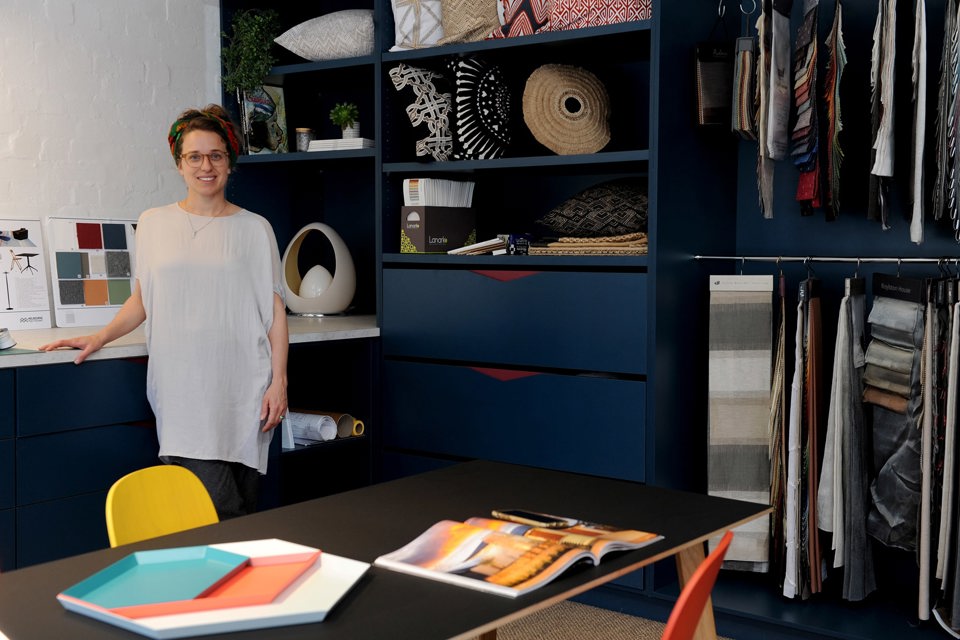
point(195, 158)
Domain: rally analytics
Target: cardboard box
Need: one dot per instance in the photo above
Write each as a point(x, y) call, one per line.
point(436, 229)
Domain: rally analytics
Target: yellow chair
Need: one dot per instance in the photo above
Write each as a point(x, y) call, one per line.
point(156, 501)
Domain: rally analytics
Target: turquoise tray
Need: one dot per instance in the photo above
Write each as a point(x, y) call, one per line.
point(164, 575)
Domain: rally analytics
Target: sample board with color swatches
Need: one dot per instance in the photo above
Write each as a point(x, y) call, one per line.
point(91, 267)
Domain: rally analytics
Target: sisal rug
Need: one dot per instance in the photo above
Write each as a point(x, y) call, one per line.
point(574, 621)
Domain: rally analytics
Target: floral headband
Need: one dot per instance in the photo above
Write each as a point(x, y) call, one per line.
point(176, 130)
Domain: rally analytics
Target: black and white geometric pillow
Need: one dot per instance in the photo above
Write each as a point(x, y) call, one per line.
point(481, 110)
point(428, 108)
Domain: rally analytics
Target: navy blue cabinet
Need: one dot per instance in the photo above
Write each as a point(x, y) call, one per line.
point(541, 360)
point(78, 429)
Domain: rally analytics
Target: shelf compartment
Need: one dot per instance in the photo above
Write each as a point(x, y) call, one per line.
point(280, 72)
point(501, 164)
point(309, 156)
point(541, 41)
point(512, 201)
point(618, 263)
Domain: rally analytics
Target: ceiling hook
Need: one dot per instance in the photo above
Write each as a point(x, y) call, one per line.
point(748, 13)
point(721, 9)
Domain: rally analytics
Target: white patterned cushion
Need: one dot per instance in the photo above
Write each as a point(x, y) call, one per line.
point(480, 116)
point(428, 105)
point(416, 24)
point(341, 34)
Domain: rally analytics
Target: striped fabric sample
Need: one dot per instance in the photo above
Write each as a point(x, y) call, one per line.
point(740, 343)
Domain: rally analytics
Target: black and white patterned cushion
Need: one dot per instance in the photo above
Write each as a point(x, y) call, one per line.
point(481, 114)
point(608, 209)
point(428, 108)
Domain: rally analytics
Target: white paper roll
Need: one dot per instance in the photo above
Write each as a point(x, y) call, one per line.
point(311, 426)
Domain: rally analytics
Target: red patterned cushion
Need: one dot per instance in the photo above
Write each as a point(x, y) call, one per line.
point(523, 18)
point(574, 14)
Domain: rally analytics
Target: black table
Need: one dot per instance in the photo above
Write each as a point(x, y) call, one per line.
point(369, 522)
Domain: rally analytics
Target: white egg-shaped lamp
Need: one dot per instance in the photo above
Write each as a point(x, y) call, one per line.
point(332, 297)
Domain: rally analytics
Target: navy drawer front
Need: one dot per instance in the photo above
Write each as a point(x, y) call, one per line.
point(66, 396)
point(61, 528)
point(68, 464)
point(6, 401)
point(591, 321)
point(8, 538)
point(583, 424)
point(7, 473)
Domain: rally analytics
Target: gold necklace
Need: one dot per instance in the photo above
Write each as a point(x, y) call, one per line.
point(205, 224)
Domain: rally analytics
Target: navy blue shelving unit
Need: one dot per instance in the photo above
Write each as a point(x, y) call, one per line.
point(479, 360)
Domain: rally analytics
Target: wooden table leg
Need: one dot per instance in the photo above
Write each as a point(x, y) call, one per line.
point(687, 562)
point(489, 635)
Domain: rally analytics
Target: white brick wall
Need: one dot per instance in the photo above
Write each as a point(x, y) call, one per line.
point(88, 89)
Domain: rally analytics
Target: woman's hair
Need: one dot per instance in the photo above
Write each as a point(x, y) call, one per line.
point(212, 118)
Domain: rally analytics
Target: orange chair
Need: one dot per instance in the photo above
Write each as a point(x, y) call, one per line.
point(692, 602)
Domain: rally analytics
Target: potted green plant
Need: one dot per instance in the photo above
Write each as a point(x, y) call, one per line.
point(247, 55)
point(346, 115)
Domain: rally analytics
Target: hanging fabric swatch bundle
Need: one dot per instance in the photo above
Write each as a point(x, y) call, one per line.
point(944, 197)
point(844, 493)
point(836, 61)
point(805, 139)
point(739, 451)
point(802, 570)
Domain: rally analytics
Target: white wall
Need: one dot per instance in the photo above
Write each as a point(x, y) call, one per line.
point(88, 89)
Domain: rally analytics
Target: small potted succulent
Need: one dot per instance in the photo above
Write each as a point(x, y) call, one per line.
point(346, 115)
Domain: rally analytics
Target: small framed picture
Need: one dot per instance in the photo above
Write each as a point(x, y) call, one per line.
point(266, 116)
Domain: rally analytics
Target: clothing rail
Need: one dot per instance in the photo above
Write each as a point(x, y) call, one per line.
point(943, 260)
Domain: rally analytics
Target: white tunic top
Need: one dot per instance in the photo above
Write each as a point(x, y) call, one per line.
point(209, 302)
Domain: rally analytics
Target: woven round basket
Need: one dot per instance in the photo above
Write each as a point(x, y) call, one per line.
point(567, 109)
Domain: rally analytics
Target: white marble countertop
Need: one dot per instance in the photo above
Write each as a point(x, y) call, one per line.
point(133, 344)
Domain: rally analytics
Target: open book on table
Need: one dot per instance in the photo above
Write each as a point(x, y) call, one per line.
point(507, 558)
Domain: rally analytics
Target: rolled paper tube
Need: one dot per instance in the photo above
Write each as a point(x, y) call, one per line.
point(347, 425)
point(312, 426)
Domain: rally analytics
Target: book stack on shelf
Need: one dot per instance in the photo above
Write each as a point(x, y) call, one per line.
point(339, 144)
point(495, 246)
point(437, 215)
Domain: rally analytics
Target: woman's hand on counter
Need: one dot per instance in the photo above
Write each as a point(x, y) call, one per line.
point(86, 344)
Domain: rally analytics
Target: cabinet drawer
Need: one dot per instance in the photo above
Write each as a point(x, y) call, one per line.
point(63, 397)
point(591, 321)
point(6, 400)
point(576, 423)
point(61, 528)
point(8, 537)
point(7, 474)
point(71, 463)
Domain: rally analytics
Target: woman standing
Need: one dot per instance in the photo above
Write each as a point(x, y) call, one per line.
point(208, 288)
